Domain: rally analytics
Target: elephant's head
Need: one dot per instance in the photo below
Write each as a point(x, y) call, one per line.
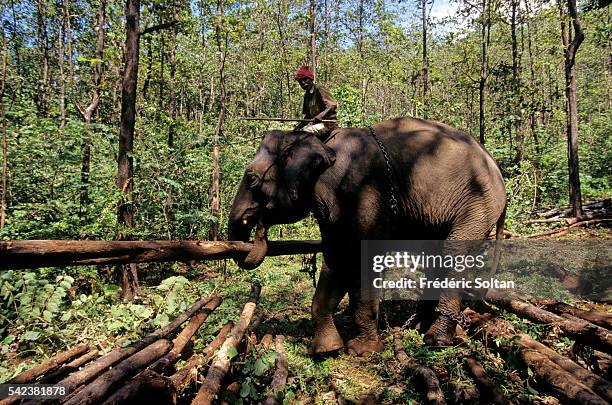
point(277, 187)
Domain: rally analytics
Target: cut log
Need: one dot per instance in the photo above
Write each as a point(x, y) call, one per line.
point(432, 391)
point(598, 318)
point(93, 370)
point(188, 373)
point(99, 389)
point(32, 374)
point(210, 389)
point(180, 342)
point(146, 387)
point(71, 367)
point(575, 328)
point(280, 375)
point(488, 390)
point(44, 253)
point(571, 386)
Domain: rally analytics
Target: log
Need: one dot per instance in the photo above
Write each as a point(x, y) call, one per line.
point(180, 342)
point(32, 374)
point(575, 328)
point(487, 388)
point(183, 377)
point(99, 389)
point(432, 391)
point(596, 383)
point(598, 318)
point(280, 375)
point(146, 387)
point(565, 377)
point(71, 367)
point(44, 253)
point(93, 370)
point(210, 389)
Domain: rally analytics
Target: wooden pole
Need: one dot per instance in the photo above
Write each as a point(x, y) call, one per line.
point(282, 119)
point(43, 253)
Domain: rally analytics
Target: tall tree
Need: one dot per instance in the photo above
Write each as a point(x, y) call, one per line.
point(572, 37)
point(485, 40)
point(516, 81)
point(221, 40)
point(88, 112)
point(312, 24)
point(4, 124)
point(43, 46)
point(125, 161)
point(171, 90)
point(425, 59)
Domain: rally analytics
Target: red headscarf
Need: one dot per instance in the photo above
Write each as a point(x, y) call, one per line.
point(304, 73)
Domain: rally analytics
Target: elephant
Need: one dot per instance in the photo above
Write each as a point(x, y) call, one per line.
point(445, 184)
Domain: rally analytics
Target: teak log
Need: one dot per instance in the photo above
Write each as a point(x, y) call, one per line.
point(24, 254)
point(598, 318)
point(221, 365)
point(280, 375)
point(429, 381)
point(103, 363)
point(488, 389)
point(95, 392)
point(180, 342)
point(71, 367)
point(32, 374)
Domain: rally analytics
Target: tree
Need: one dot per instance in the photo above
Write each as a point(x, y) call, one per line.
point(4, 124)
point(485, 40)
point(571, 43)
point(312, 37)
point(425, 59)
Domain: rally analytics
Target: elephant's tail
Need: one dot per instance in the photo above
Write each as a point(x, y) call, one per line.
point(499, 234)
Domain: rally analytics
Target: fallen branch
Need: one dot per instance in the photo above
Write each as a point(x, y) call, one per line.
point(429, 381)
point(95, 392)
point(565, 229)
point(487, 388)
point(210, 389)
point(44, 253)
point(280, 375)
point(32, 374)
point(598, 318)
point(93, 370)
point(575, 328)
point(180, 342)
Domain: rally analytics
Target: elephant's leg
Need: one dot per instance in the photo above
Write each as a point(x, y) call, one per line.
point(327, 296)
point(366, 318)
point(442, 331)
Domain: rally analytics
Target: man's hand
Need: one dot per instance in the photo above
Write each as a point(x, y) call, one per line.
point(317, 119)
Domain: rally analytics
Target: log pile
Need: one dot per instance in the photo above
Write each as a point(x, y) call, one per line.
point(597, 212)
point(144, 371)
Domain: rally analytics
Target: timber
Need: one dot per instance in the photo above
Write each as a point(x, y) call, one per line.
point(218, 370)
point(486, 386)
point(44, 253)
point(280, 375)
point(32, 374)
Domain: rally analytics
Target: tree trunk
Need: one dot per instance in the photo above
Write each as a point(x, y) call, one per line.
point(215, 201)
point(43, 46)
point(312, 24)
point(425, 61)
point(485, 37)
point(516, 84)
point(4, 124)
point(125, 162)
point(62, 78)
point(68, 33)
point(571, 43)
point(171, 95)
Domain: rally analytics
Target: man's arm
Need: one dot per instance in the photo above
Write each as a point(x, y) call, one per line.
point(330, 104)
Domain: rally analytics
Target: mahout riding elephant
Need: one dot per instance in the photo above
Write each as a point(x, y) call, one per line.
point(446, 186)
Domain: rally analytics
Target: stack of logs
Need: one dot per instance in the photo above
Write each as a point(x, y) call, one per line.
point(145, 370)
point(593, 213)
point(571, 380)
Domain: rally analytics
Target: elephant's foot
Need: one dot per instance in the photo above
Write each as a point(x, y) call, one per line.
point(327, 341)
point(361, 346)
point(441, 333)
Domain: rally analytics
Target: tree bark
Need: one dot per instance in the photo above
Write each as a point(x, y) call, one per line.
point(125, 160)
point(425, 59)
point(171, 91)
point(32, 374)
point(571, 43)
point(485, 38)
point(516, 83)
point(43, 46)
point(280, 375)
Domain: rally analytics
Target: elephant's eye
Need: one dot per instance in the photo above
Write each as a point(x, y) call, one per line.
point(252, 180)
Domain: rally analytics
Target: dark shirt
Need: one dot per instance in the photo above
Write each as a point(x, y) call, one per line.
point(316, 100)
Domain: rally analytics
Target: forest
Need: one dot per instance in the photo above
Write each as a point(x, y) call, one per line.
point(133, 113)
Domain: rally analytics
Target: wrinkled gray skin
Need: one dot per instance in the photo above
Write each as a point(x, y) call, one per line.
point(448, 187)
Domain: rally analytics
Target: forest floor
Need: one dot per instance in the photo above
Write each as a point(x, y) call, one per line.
point(283, 309)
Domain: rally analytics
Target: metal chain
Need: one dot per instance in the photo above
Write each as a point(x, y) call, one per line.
point(393, 202)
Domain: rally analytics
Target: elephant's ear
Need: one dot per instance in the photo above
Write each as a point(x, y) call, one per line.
point(306, 161)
